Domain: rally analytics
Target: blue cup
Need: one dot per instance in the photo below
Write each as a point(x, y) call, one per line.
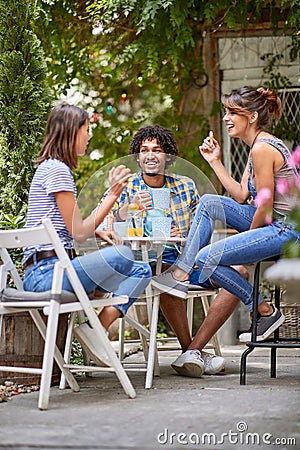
point(161, 227)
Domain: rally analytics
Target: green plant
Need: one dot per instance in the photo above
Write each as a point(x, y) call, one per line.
point(76, 356)
point(24, 102)
point(10, 221)
point(127, 335)
point(162, 327)
point(155, 53)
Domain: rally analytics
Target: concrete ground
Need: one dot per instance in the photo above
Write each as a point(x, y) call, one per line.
point(178, 413)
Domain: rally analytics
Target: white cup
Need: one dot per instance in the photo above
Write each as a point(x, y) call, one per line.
point(161, 227)
point(120, 228)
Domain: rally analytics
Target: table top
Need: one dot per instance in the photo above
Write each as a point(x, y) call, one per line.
point(154, 239)
point(95, 243)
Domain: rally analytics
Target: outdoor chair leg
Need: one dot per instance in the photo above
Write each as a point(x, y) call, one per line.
point(276, 336)
point(49, 355)
point(152, 355)
point(272, 343)
point(68, 348)
point(41, 326)
point(121, 338)
point(243, 365)
point(142, 337)
point(273, 362)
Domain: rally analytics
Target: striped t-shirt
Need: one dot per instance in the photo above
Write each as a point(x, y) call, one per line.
point(51, 176)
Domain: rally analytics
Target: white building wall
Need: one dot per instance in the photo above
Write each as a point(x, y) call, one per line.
point(241, 64)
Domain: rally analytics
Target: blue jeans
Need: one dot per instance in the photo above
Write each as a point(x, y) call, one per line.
point(111, 269)
point(247, 247)
point(169, 257)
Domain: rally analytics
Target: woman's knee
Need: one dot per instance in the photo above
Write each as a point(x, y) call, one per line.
point(212, 206)
point(123, 307)
point(124, 252)
point(206, 198)
point(119, 256)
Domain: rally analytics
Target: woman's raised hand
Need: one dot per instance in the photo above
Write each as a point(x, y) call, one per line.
point(210, 149)
point(118, 178)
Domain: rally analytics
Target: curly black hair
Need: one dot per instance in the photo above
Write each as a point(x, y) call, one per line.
point(164, 137)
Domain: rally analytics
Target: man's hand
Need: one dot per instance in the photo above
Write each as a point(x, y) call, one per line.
point(175, 232)
point(143, 198)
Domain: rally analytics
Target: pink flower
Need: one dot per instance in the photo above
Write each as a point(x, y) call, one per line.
point(95, 117)
point(262, 197)
point(282, 187)
point(294, 160)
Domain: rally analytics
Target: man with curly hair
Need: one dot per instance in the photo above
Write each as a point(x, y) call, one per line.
point(154, 148)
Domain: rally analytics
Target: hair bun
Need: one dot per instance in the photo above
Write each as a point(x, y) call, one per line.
point(272, 99)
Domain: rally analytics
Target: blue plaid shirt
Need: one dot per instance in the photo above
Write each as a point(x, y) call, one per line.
point(184, 198)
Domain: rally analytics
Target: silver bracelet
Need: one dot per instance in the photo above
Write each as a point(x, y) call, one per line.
point(117, 216)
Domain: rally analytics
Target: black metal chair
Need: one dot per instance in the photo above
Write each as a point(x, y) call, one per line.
point(273, 343)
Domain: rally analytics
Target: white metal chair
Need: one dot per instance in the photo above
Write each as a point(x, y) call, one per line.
point(144, 334)
point(136, 323)
point(53, 303)
point(151, 360)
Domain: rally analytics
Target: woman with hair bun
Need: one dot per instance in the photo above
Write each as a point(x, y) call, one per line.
point(255, 208)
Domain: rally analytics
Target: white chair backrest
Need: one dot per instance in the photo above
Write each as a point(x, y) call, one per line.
point(26, 237)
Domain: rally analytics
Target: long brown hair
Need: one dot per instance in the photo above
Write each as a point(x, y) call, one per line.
point(247, 100)
point(62, 126)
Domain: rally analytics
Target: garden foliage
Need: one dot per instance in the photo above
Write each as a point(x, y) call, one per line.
point(24, 102)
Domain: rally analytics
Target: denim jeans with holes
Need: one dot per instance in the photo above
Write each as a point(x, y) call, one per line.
point(247, 247)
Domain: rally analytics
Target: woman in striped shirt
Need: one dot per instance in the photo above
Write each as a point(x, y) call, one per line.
point(53, 195)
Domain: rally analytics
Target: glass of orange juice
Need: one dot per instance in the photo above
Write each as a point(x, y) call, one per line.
point(135, 225)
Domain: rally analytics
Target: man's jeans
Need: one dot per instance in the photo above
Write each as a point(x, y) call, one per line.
point(249, 246)
point(111, 269)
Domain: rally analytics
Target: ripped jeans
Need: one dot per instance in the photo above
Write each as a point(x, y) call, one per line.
point(247, 247)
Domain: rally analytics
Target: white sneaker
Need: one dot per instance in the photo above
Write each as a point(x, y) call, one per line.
point(189, 364)
point(85, 335)
point(213, 363)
